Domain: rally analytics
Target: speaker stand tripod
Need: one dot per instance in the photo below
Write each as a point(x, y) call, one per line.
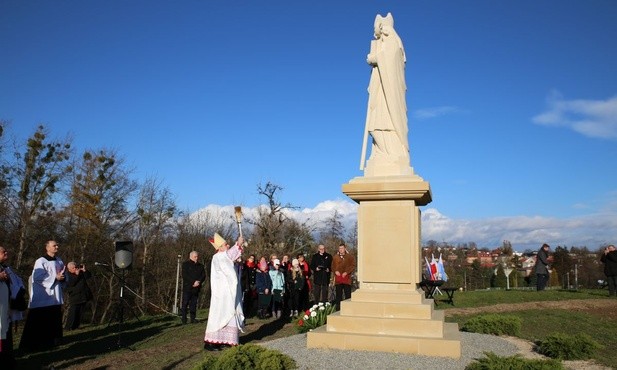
point(118, 311)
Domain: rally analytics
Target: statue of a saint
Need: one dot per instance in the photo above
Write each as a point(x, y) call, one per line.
point(386, 119)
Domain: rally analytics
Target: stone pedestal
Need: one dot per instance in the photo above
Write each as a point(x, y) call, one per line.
point(389, 312)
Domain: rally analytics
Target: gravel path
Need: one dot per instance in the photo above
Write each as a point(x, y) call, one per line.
point(473, 346)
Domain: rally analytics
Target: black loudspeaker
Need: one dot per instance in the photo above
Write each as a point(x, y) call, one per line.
point(124, 254)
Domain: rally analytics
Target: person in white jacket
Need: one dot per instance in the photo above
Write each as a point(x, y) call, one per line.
point(43, 328)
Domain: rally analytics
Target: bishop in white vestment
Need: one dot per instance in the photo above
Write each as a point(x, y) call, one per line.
point(225, 317)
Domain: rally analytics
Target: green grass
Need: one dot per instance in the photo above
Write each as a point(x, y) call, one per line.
point(153, 342)
point(481, 298)
point(159, 342)
point(537, 324)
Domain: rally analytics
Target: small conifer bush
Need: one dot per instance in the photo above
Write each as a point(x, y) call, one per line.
point(568, 347)
point(517, 362)
point(493, 324)
point(247, 357)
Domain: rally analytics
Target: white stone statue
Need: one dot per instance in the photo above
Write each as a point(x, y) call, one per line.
point(386, 119)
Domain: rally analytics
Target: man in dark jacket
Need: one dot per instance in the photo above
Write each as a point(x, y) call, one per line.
point(79, 293)
point(541, 267)
point(609, 258)
point(248, 286)
point(343, 265)
point(321, 265)
point(193, 277)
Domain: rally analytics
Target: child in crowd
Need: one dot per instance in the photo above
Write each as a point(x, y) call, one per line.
point(278, 288)
point(296, 285)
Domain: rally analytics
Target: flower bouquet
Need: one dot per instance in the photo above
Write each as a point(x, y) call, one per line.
point(315, 317)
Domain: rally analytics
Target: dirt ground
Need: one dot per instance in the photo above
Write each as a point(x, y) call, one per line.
point(605, 307)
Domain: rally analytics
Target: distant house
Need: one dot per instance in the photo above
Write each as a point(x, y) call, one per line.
point(528, 262)
point(485, 259)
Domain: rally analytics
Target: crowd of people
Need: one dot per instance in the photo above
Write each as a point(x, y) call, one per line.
point(269, 287)
point(47, 285)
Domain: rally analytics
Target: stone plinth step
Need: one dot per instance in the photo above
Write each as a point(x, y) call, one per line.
point(386, 309)
point(409, 327)
point(389, 296)
point(447, 346)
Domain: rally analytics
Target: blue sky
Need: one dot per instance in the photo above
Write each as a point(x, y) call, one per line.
point(512, 105)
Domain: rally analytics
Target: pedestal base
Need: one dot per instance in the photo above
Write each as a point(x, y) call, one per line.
point(388, 321)
point(389, 312)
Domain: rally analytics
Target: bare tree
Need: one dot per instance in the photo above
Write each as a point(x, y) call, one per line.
point(506, 248)
point(98, 213)
point(155, 210)
point(298, 236)
point(4, 206)
point(100, 191)
point(352, 238)
point(33, 180)
point(271, 219)
point(332, 232)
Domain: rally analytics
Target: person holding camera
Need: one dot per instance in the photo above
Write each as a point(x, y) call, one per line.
point(609, 258)
point(321, 264)
point(79, 293)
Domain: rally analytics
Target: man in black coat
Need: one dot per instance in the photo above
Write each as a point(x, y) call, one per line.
point(193, 277)
point(541, 267)
point(79, 293)
point(321, 265)
point(609, 258)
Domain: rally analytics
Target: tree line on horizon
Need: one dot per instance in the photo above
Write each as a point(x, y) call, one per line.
point(87, 201)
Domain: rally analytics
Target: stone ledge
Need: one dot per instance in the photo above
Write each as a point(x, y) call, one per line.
point(389, 188)
point(448, 346)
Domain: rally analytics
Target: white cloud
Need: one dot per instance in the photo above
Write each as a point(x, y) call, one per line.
point(524, 232)
point(433, 112)
point(344, 207)
point(592, 118)
point(347, 209)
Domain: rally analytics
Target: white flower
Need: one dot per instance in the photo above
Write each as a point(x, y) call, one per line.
point(321, 303)
point(313, 314)
point(321, 308)
point(305, 317)
point(327, 304)
point(315, 306)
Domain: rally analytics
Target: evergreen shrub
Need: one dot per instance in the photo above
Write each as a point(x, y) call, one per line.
point(247, 357)
point(494, 324)
point(568, 347)
point(517, 362)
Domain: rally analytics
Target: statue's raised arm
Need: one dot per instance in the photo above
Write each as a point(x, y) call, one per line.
point(386, 119)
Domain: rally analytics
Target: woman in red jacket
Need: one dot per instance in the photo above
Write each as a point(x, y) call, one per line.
point(304, 303)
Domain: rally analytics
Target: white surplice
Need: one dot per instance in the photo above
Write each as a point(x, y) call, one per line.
point(225, 317)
